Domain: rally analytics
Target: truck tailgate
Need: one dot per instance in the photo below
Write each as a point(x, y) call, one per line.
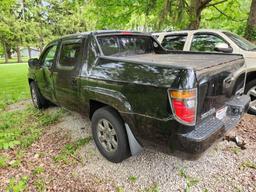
point(216, 86)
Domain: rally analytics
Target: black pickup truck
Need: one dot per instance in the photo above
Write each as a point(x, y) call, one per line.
point(135, 92)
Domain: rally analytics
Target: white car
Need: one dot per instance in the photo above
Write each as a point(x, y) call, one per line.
point(205, 40)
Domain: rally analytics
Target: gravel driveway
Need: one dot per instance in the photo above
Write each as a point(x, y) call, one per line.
point(224, 167)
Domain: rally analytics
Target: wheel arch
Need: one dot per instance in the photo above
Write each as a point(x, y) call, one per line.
point(128, 121)
point(250, 76)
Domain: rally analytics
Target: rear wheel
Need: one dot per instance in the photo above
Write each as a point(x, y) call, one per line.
point(38, 100)
point(250, 90)
point(109, 135)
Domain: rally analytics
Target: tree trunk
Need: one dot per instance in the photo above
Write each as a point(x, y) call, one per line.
point(164, 13)
point(18, 55)
point(250, 31)
point(29, 52)
point(5, 53)
point(8, 50)
point(195, 14)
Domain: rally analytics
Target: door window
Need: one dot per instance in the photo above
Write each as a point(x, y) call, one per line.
point(70, 54)
point(174, 42)
point(49, 56)
point(206, 42)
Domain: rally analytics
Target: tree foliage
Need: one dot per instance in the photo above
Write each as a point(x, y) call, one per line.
point(33, 23)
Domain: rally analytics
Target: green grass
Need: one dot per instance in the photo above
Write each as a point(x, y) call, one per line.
point(13, 83)
point(13, 60)
point(22, 128)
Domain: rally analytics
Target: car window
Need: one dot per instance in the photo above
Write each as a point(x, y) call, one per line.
point(70, 54)
point(108, 45)
point(206, 42)
point(241, 42)
point(174, 42)
point(49, 56)
point(121, 45)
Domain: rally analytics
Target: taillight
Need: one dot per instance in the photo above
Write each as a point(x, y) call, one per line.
point(184, 104)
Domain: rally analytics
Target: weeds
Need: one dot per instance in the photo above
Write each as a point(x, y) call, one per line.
point(190, 181)
point(39, 185)
point(15, 163)
point(119, 189)
point(18, 186)
point(235, 150)
point(153, 188)
point(48, 119)
point(70, 150)
point(38, 170)
point(3, 161)
point(22, 128)
point(132, 178)
point(247, 164)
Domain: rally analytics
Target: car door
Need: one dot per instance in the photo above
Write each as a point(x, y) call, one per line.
point(206, 42)
point(44, 73)
point(67, 72)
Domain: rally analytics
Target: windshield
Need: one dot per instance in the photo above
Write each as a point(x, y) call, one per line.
point(241, 42)
point(122, 45)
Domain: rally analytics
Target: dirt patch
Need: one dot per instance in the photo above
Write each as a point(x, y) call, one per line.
point(224, 167)
point(38, 165)
point(21, 105)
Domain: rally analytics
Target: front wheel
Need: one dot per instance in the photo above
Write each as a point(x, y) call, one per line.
point(250, 90)
point(109, 135)
point(38, 100)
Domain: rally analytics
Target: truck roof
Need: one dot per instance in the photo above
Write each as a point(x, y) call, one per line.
point(189, 31)
point(103, 32)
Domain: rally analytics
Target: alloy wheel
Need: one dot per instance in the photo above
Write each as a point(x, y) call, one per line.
point(107, 135)
point(252, 94)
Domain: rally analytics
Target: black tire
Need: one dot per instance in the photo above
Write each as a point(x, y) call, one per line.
point(38, 100)
point(122, 150)
point(248, 87)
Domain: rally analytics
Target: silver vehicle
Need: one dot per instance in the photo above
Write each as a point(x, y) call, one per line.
point(207, 40)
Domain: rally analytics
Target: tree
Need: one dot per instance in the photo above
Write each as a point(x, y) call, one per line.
point(195, 9)
point(250, 32)
point(230, 15)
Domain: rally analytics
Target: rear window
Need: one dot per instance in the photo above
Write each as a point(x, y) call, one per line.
point(122, 45)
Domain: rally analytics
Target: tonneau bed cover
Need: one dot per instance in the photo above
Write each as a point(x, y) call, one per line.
point(195, 61)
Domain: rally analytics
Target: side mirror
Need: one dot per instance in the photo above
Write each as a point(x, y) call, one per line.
point(223, 47)
point(34, 62)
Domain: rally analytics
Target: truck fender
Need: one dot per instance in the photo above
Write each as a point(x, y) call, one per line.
point(119, 102)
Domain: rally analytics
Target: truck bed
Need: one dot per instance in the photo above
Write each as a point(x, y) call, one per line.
point(197, 61)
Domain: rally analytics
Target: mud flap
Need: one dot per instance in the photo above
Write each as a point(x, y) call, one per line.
point(135, 147)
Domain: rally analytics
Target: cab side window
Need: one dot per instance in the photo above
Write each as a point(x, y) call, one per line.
point(49, 56)
point(206, 42)
point(174, 42)
point(70, 54)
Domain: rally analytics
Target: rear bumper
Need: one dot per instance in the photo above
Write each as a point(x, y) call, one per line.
point(211, 129)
